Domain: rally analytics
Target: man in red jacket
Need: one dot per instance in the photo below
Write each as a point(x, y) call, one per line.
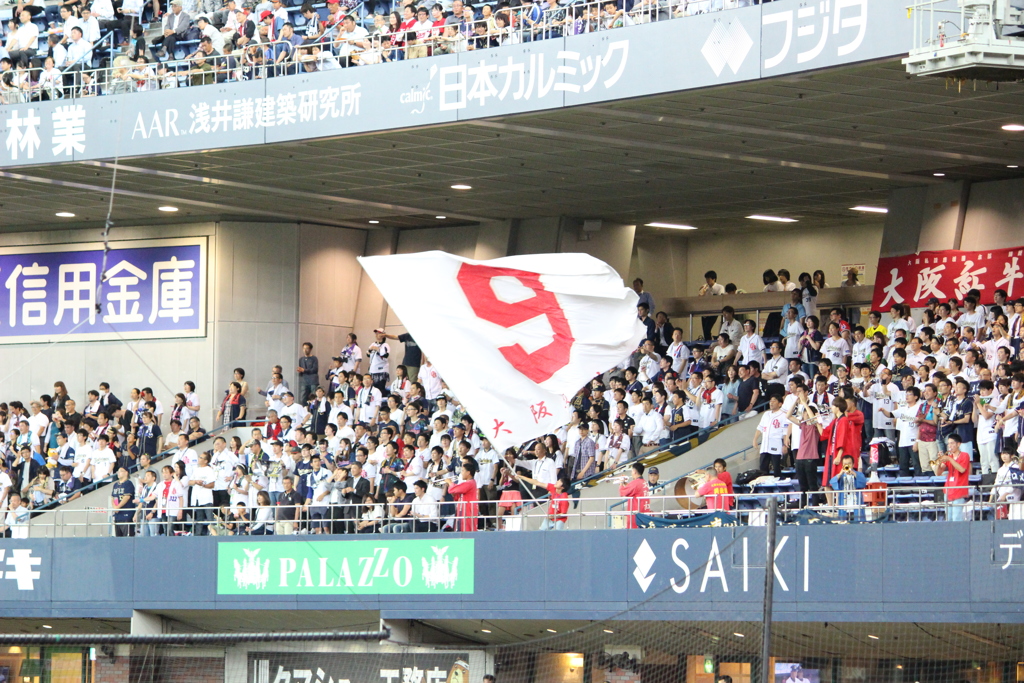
point(635, 491)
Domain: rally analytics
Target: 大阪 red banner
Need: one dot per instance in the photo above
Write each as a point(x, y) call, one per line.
point(945, 275)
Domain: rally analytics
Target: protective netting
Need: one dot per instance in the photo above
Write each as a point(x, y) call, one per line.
point(721, 641)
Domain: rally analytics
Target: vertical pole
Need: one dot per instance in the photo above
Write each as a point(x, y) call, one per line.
point(767, 676)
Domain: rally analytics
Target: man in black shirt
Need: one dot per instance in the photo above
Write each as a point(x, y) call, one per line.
point(309, 373)
point(413, 358)
point(750, 387)
point(288, 508)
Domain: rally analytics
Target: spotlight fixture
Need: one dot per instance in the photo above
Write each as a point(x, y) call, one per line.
point(459, 186)
point(772, 219)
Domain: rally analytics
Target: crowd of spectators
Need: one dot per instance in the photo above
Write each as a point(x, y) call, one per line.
point(355, 449)
point(49, 52)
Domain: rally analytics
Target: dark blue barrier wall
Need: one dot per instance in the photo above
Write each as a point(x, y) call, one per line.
point(937, 572)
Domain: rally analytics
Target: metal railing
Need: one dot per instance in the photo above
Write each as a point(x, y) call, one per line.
point(517, 512)
point(525, 23)
point(98, 484)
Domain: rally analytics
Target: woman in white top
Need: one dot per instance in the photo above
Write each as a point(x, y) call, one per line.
point(771, 281)
point(835, 348)
point(618, 444)
point(401, 383)
point(263, 519)
point(791, 331)
point(238, 487)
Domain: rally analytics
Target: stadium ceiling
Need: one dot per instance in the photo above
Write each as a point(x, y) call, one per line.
point(808, 146)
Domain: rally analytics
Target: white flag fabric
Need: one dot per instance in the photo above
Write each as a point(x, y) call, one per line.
point(516, 337)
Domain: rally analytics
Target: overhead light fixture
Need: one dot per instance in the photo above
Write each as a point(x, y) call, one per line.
point(440, 218)
point(773, 219)
point(462, 187)
point(485, 630)
point(64, 214)
point(870, 209)
point(939, 175)
point(872, 637)
point(168, 209)
point(673, 226)
point(551, 630)
point(374, 222)
point(739, 635)
point(1013, 166)
point(1013, 127)
point(899, 666)
point(575, 659)
point(47, 626)
point(608, 630)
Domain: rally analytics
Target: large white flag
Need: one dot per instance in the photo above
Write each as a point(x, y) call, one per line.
point(515, 338)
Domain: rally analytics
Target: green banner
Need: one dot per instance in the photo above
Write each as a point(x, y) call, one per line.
point(372, 567)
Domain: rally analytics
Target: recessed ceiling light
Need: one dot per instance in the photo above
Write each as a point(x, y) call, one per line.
point(899, 666)
point(673, 226)
point(47, 626)
point(64, 214)
point(1013, 127)
point(485, 630)
point(939, 175)
point(551, 630)
point(608, 630)
point(773, 219)
point(872, 637)
point(374, 222)
point(168, 209)
point(739, 635)
point(462, 187)
point(870, 209)
point(440, 218)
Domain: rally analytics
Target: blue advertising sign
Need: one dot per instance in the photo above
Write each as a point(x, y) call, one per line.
point(151, 289)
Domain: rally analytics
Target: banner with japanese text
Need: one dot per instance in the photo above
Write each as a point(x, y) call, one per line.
point(950, 274)
point(359, 667)
point(669, 55)
point(151, 289)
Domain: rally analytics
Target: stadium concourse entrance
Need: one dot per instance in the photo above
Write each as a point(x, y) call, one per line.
point(530, 652)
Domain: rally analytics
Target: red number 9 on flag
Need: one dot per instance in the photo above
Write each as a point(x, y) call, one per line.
point(543, 363)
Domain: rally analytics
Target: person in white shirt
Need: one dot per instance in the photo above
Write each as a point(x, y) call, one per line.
point(986, 413)
point(202, 479)
point(90, 25)
point(191, 401)
point(649, 362)
point(905, 415)
point(776, 368)
point(368, 401)
point(973, 317)
point(730, 325)
point(678, 351)
point(188, 456)
point(211, 32)
point(223, 462)
point(103, 459)
point(751, 346)
point(772, 437)
point(835, 348)
point(22, 47)
point(543, 467)
point(792, 329)
point(38, 424)
point(17, 518)
point(861, 346)
point(709, 403)
point(649, 424)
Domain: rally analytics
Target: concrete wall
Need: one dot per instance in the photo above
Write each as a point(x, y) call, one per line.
point(673, 265)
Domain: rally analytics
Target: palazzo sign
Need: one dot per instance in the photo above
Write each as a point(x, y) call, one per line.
point(151, 289)
point(435, 566)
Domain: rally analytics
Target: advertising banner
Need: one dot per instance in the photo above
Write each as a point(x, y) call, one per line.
point(950, 274)
point(371, 567)
point(153, 289)
point(352, 667)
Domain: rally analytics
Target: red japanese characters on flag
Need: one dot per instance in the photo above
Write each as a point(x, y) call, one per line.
point(514, 336)
point(944, 275)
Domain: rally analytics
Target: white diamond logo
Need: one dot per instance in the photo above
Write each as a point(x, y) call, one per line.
point(644, 559)
point(729, 43)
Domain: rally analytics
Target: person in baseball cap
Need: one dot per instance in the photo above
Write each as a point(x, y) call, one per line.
point(653, 476)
